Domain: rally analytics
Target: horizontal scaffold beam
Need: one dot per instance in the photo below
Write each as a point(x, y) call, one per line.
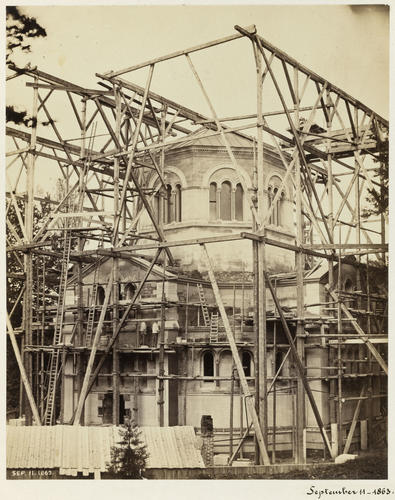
point(348, 246)
point(306, 249)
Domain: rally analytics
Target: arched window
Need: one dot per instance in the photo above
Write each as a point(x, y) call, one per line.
point(178, 205)
point(159, 205)
point(276, 214)
point(226, 201)
point(130, 290)
point(239, 202)
point(213, 201)
point(100, 295)
point(208, 364)
point(169, 205)
point(247, 362)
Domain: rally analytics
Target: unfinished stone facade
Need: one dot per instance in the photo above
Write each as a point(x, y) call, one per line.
point(200, 375)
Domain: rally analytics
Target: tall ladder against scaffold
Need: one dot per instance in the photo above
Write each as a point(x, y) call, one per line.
point(54, 363)
point(203, 305)
point(92, 310)
point(213, 322)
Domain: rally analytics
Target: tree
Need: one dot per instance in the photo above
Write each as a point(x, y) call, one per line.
point(378, 198)
point(129, 457)
point(20, 31)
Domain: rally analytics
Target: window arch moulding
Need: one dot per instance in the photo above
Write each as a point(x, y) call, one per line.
point(226, 197)
point(277, 214)
point(167, 201)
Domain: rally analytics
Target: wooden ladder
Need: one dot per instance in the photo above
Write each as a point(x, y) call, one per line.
point(54, 363)
point(214, 327)
point(203, 304)
point(91, 314)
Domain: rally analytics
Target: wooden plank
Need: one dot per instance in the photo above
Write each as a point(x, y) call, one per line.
point(364, 434)
point(28, 258)
point(254, 115)
point(354, 420)
point(210, 239)
point(24, 378)
point(334, 439)
point(27, 246)
point(291, 89)
point(20, 295)
point(17, 152)
point(260, 265)
point(178, 53)
point(349, 246)
point(164, 244)
point(236, 358)
point(240, 444)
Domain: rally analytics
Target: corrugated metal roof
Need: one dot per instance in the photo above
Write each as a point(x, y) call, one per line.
point(172, 447)
point(88, 449)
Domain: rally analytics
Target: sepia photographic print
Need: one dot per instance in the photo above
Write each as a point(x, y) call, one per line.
point(196, 228)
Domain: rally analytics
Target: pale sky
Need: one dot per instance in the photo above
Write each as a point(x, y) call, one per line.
point(349, 46)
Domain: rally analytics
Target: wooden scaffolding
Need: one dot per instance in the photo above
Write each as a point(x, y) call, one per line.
point(123, 133)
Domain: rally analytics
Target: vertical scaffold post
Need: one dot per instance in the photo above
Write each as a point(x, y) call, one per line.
point(262, 333)
point(115, 266)
point(236, 358)
point(28, 256)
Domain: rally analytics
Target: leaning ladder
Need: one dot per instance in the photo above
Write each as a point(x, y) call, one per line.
point(203, 304)
point(214, 327)
point(54, 363)
point(91, 313)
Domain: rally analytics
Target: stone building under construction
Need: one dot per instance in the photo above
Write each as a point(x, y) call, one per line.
point(208, 272)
